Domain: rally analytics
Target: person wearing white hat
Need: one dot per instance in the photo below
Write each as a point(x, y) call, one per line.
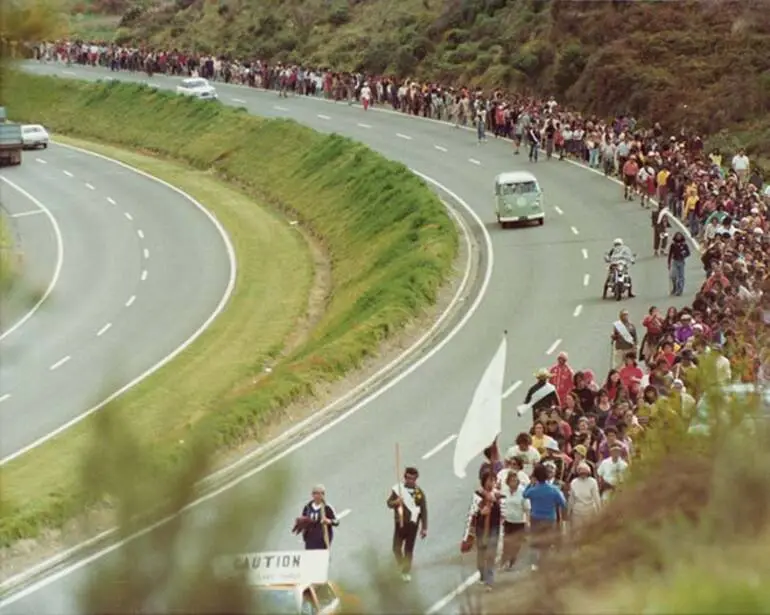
point(584, 499)
point(541, 396)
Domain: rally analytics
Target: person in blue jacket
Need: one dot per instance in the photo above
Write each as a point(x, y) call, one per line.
point(545, 501)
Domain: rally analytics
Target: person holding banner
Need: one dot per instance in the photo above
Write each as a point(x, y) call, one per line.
point(541, 396)
point(317, 521)
point(482, 528)
point(410, 509)
point(624, 339)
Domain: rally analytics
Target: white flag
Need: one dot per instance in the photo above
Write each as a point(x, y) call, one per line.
point(483, 423)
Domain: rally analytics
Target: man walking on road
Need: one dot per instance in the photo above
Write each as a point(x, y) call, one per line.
point(624, 339)
point(677, 255)
point(317, 521)
point(410, 509)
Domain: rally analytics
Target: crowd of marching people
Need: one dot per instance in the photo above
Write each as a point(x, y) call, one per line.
point(585, 427)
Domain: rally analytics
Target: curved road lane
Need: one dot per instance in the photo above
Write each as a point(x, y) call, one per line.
point(142, 268)
point(544, 289)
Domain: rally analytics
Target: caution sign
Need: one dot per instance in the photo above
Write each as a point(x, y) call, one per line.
point(277, 567)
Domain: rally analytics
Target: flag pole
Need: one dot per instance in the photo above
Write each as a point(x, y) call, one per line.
point(324, 527)
point(398, 482)
point(488, 520)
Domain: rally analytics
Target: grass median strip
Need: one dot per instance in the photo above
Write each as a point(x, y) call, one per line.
point(274, 277)
point(390, 241)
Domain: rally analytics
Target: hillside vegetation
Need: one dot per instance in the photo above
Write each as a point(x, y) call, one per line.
point(703, 65)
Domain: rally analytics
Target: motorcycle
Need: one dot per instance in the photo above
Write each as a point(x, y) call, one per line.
point(618, 281)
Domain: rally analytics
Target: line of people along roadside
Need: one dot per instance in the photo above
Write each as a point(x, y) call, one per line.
point(584, 432)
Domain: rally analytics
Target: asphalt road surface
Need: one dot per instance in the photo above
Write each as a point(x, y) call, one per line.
point(545, 290)
point(134, 269)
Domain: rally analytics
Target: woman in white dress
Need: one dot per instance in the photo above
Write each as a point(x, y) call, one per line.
point(584, 498)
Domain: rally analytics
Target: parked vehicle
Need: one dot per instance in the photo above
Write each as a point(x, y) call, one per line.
point(518, 198)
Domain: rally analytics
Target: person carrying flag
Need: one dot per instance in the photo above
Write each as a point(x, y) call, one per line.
point(317, 521)
point(410, 510)
point(541, 396)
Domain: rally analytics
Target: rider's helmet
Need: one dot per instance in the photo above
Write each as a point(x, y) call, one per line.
point(617, 242)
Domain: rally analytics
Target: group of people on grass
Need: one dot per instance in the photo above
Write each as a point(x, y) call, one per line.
point(585, 431)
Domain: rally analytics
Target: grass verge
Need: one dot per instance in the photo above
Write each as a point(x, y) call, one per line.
point(8, 257)
point(390, 240)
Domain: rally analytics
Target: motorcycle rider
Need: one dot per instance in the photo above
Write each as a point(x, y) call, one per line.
point(619, 254)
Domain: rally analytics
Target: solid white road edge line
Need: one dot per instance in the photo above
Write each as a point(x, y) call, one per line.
point(196, 334)
point(4, 397)
point(511, 389)
point(446, 441)
point(577, 311)
point(57, 266)
point(553, 347)
point(104, 329)
point(32, 588)
point(60, 362)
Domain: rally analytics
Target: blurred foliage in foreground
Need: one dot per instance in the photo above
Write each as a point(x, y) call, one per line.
point(689, 532)
point(170, 569)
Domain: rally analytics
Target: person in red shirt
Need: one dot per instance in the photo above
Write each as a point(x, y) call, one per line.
point(562, 376)
point(653, 323)
point(630, 171)
point(630, 374)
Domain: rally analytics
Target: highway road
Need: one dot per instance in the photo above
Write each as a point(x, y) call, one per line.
point(129, 270)
point(545, 289)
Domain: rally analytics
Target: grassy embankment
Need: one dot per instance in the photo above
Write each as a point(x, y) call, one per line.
point(9, 257)
point(671, 62)
point(390, 240)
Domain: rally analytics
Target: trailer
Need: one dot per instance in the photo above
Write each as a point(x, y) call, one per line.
point(11, 141)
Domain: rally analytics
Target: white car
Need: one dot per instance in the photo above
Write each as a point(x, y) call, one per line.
point(34, 136)
point(198, 88)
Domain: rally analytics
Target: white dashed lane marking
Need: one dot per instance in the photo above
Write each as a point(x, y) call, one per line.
point(59, 363)
point(24, 214)
point(128, 215)
point(440, 148)
point(146, 253)
point(474, 161)
point(324, 117)
point(140, 232)
point(279, 108)
point(558, 210)
point(68, 174)
point(403, 136)
point(553, 347)
point(41, 161)
point(574, 230)
point(240, 101)
point(104, 329)
point(577, 311)
point(90, 187)
point(586, 279)
point(341, 515)
point(360, 125)
point(511, 389)
point(111, 201)
point(585, 254)
point(5, 397)
point(144, 275)
point(445, 442)
point(131, 300)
